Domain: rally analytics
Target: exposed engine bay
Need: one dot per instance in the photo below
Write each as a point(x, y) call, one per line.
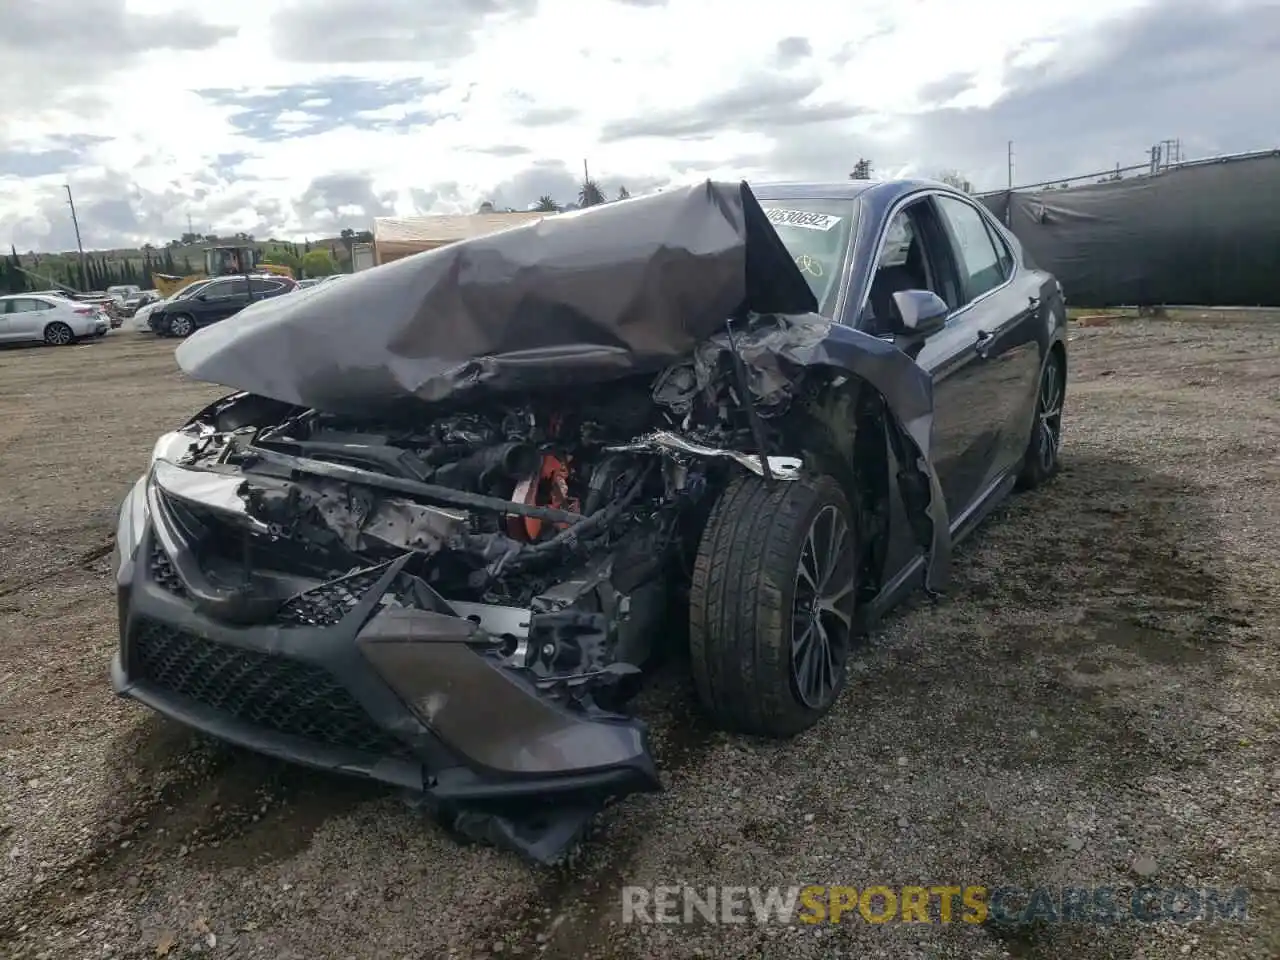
point(555, 528)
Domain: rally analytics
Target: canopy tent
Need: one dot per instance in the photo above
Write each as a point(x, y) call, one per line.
point(396, 237)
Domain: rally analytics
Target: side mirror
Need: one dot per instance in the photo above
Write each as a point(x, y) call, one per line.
point(202, 296)
point(923, 312)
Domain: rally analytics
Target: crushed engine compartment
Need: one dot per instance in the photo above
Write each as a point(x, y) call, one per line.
point(553, 521)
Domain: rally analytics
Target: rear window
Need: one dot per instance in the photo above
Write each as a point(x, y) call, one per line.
point(816, 233)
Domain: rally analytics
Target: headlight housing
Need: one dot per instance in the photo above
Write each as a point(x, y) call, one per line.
point(129, 525)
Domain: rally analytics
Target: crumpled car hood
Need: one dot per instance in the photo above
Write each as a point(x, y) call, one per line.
point(592, 295)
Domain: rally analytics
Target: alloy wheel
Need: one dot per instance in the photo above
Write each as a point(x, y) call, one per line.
point(180, 326)
point(58, 335)
point(822, 608)
point(1049, 417)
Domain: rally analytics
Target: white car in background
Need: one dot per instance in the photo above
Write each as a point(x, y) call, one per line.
point(36, 317)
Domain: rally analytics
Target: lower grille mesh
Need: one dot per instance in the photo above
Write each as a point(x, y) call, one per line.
point(327, 604)
point(266, 690)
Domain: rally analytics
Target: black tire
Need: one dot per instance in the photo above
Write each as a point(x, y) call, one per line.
point(1044, 448)
point(58, 334)
point(181, 325)
point(743, 600)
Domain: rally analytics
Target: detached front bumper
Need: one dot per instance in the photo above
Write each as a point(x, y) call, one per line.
point(342, 680)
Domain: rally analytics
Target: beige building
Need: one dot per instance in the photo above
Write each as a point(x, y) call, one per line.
point(396, 237)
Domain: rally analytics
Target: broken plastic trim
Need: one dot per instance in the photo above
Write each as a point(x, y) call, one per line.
point(753, 415)
point(781, 468)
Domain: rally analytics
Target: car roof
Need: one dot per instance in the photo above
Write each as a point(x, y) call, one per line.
point(877, 191)
point(48, 298)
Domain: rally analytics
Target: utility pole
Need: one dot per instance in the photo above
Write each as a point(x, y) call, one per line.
point(1008, 200)
point(190, 228)
point(84, 273)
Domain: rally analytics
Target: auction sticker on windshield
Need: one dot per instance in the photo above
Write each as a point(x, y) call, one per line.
point(800, 218)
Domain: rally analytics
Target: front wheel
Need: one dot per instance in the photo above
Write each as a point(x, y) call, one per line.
point(181, 325)
point(771, 608)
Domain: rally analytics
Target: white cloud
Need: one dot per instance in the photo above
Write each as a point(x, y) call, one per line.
point(297, 120)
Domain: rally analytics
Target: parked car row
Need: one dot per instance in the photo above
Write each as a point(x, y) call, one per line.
point(52, 318)
point(136, 301)
point(216, 298)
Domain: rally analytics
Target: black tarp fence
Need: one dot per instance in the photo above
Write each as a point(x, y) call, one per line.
point(1205, 233)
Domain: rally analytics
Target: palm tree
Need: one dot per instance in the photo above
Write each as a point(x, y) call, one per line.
point(590, 195)
point(546, 204)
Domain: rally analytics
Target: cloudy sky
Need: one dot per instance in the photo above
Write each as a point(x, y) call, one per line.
point(296, 119)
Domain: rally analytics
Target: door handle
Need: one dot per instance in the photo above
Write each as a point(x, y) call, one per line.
point(983, 343)
point(1033, 303)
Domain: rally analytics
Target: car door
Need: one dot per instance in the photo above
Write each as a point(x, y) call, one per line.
point(915, 253)
point(5, 306)
point(1002, 314)
point(27, 318)
point(220, 300)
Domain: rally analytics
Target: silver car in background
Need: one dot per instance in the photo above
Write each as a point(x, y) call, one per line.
point(39, 317)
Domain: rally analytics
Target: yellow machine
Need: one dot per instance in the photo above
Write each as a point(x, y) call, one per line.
point(219, 262)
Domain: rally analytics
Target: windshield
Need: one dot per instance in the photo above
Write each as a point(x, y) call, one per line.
point(816, 233)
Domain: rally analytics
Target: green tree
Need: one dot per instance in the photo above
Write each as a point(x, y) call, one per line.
point(546, 204)
point(590, 194)
point(14, 280)
point(861, 170)
point(284, 258)
point(319, 263)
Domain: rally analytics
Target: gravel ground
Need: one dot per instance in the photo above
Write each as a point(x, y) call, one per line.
point(1094, 703)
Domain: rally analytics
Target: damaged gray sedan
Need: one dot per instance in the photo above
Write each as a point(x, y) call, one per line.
point(462, 500)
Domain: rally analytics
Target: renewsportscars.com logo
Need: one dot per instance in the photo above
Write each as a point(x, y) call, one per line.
point(936, 903)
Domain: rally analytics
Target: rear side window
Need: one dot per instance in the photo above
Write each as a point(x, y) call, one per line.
point(267, 288)
point(979, 262)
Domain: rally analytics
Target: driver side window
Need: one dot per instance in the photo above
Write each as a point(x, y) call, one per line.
point(904, 263)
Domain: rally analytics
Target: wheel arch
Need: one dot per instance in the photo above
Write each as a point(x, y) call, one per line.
point(858, 460)
point(1058, 350)
point(55, 322)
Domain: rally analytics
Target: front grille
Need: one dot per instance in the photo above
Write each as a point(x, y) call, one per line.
point(330, 602)
point(266, 690)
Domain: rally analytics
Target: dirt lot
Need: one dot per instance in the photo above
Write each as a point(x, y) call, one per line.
point(1096, 702)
